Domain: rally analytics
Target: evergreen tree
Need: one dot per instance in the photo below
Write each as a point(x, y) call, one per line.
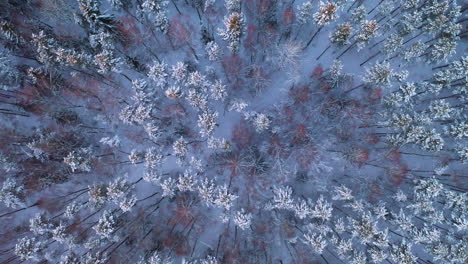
point(305, 13)
point(367, 32)
point(234, 24)
point(12, 194)
point(325, 14)
point(340, 36)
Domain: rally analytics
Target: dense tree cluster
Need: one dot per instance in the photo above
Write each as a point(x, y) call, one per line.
point(236, 131)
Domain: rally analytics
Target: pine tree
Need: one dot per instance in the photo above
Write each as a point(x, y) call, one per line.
point(117, 189)
point(60, 234)
point(28, 248)
point(440, 109)
point(116, 3)
point(45, 48)
point(218, 91)
point(156, 11)
point(218, 144)
point(96, 20)
point(111, 142)
point(158, 74)
point(168, 186)
point(70, 258)
point(305, 13)
point(233, 5)
point(435, 16)
point(9, 74)
point(152, 176)
point(206, 190)
point(98, 194)
point(224, 198)
point(180, 147)
point(385, 9)
point(107, 62)
point(282, 198)
point(207, 123)
point(197, 99)
point(407, 90)
point(96, 258)
point(414, 51)
point(336, 69)
point(409, 23)
point(340, 36)
point(213, 50)
point(242, 219)
point(136, 114)
point(179, 72)
point(392, 44)
point(186, 182)
point(72, 210)
point(431, 140)
point(302, 209)
point(462, 152)
point(40, 225)
point(234, 24)
point(326, 13)
point(173, 92)
point(12, 194)
point(402, 253)
point(157, 258)
point(408, 4)
point(321, 209)
point(267, 174)
point(316, 241)
point(153, 130)
point(367, 32)
point(8, 30)
point(458, 130)
point(442, 49)
point(358, 15)
point(106, 225)
point(379, 74)
point(197, 80)
point(261, 122)
point(79, 159)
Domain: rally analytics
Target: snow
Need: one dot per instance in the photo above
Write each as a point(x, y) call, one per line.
point(231, 132)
